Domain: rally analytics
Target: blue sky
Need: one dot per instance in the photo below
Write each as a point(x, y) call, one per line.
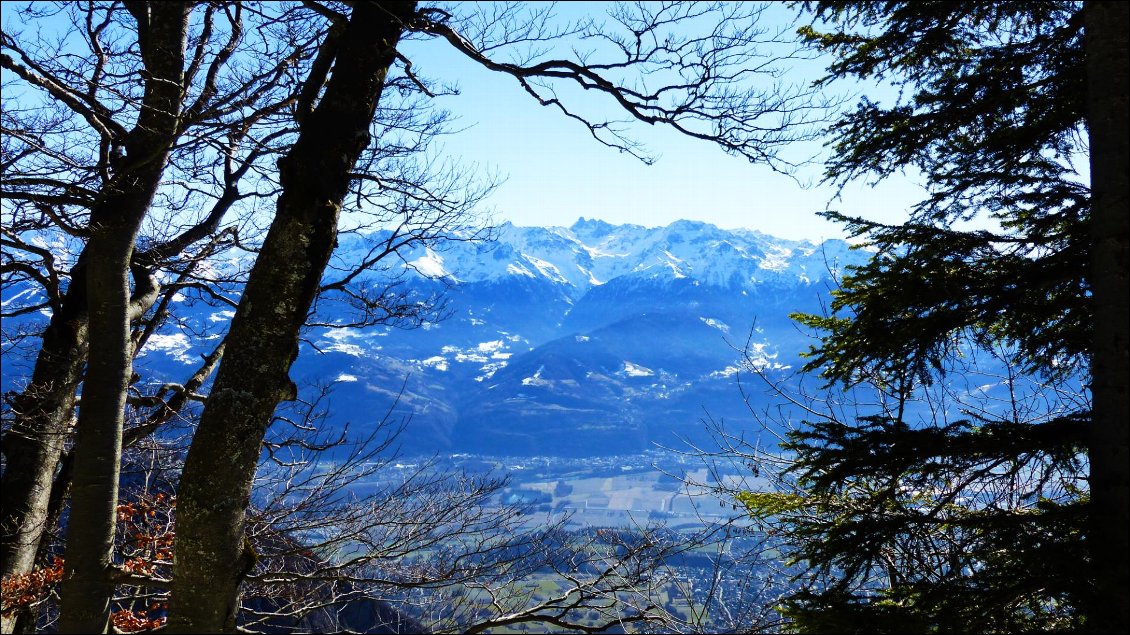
point(555, 172)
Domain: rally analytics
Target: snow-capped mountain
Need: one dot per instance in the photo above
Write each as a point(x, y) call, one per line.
point(583, 340)
point(589, 339)
point(591, 253)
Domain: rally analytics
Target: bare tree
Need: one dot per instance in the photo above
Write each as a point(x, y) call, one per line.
point(697, 77)
point(699, 92)
point(114, 223)
point(216, 484)
point(73, 167)
point(235, 116)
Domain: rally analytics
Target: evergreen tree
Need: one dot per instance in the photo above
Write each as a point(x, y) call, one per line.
point(921, 509)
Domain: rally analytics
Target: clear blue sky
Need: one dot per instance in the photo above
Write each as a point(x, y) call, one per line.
point(556, 172)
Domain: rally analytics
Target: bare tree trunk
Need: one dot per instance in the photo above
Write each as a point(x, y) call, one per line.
point(215, 485)
point(88, 584)
point(90, 535)
point(42, 415)
point(1106, 30)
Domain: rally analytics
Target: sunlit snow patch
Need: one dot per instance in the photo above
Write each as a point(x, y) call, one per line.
point(675, 269)
point(490, 369)
point(338, 343)
point(547, 269)
point(437, 362)
point(477, 358)
point(430, 265)
point(776, 258)
point(175, 345)
point(16, 297)
point(535, 379)
point(519, 270)
point(592, 279)
point(633, 370)
point(718, 324)
point(728, 371)
point(348, 349)
point(758, 359)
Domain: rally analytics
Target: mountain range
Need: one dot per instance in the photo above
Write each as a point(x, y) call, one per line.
point(586, 340)
point(594, 339)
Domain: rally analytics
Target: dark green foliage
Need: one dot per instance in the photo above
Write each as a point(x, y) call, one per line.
point(930, 288)
point(943, 527)
point(907, 524)
point(993, 120)
point(924, 507)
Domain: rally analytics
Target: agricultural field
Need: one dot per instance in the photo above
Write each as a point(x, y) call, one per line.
point(636, 496)
point(619, 491)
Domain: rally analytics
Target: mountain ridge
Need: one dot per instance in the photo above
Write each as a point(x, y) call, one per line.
point(582, 340)
point(582, 257)
point(597, 338)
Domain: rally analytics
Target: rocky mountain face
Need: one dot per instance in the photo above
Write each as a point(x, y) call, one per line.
point(588, 340)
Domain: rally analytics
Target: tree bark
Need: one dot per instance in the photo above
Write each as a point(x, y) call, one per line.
point(1105, 40)
point(215, 485)
point(42, 417)
point(88, 583)
point(46, 405)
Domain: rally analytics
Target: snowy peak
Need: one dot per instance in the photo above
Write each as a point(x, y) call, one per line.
point(592, 252)
point(573, 341)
